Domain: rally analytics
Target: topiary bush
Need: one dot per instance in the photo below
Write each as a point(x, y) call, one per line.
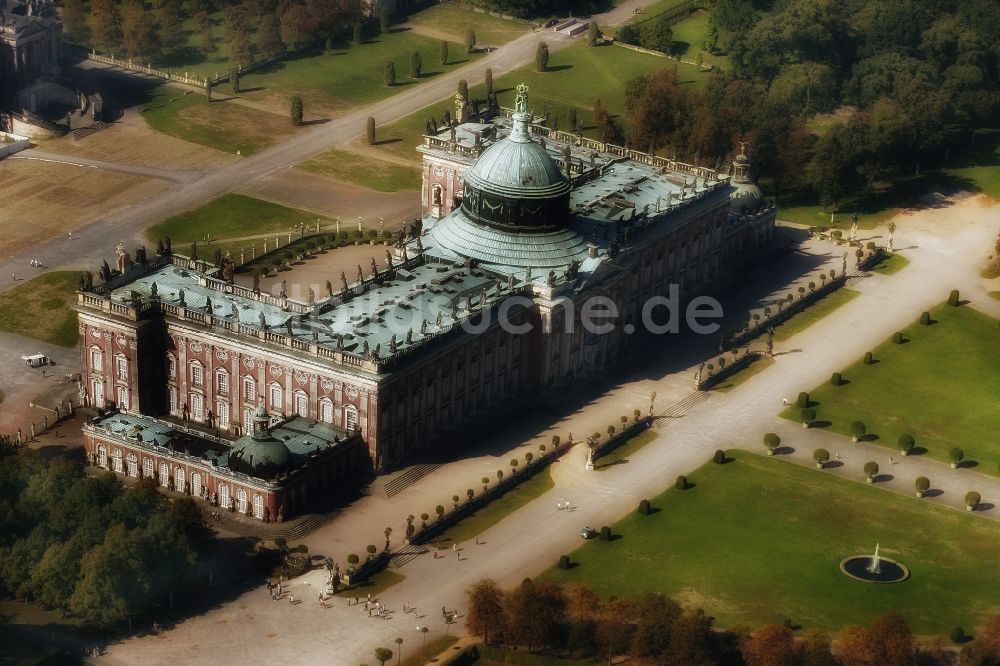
point(605, 534)
point(871, 471)
point(925, 318)
point(972, 499)
point(564, 561)
point(958, 635)
point(821, 456)
point(719, 457)
point(953, 298)
point(905, 443)
point(807, 417)
point(681, 483)
point(857, 431)
point(869, 360)
point(803, 400)
point(897, 338)
point(836, 379)
point(922, 485)
point(955, 456)
point(771, 442)
point(644, 507)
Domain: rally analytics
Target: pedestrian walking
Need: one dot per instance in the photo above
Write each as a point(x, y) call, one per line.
point(784, 401)
point(369, 597)
point(369, 612)
point(838, 455)
point(891, 461)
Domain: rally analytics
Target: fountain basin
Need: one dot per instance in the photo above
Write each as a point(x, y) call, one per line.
point(889, 571)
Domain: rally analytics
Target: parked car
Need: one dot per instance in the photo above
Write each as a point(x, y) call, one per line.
point(588, 533)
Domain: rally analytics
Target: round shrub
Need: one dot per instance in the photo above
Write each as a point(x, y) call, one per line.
point(681, 483)
point(953, 298)
point(644, 507)
point(857, 431)
point(871, 471)
point(905, 443)
point(955, 456)
point(868, 358)
point(821, 456)
point(353, 559)
point(958, 635)
point(719, 457)
point(922, 485)
point(372, 233)
point(803, 400)
point(564, 561)
point(371, 549)
point(897, 338)
point(925, 318)
point(605, 534)
point(972, 499)
point(836, 379)
point(771, 442)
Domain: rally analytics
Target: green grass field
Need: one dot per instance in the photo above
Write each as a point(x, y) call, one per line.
point(620, 456)
point(812, 314)
point(743, 375)
point(229, 216)
point(453, 22)
point(941, 386)
point(40, 308)
point(759, 540)
point(219, 124)
point(498, 509)
point(890, 264)
point(361, 170)
point(995, 294)
point(577, 76)
point(350, 75)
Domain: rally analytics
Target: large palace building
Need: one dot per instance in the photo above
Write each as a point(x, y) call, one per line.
point(522, 224)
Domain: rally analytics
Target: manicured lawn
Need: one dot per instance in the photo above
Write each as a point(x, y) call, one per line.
point(620, 456)
point(812, 314)
point(453, 21)
point(350, 75)
point(222, 125)
point(229, 216)
point(746, 373)
point(689, 39)
point(893, 263)
point(995, 294)
point(498, 509)
point(375, 585)
point(364, 171)
point(941, 386)
point(577, 76)
point(41, 308)
point(759, 540)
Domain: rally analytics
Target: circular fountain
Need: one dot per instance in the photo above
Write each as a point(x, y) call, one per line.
point(874, 568)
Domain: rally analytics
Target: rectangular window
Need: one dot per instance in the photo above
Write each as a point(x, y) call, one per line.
point(122, 397)
point(247, 421)
point(95, 360)
point(121, 368)
point(275, 397)
point(197, 407)
point(326, 411)
point(249, 390)
point(197, 375)
point(172, 397)
point(171, 367)
point(301, 404)
point(222, 383)
point(222, 413)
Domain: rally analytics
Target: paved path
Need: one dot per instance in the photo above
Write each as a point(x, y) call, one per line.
point(944, 254)
point(97, 240)
point(186, 176)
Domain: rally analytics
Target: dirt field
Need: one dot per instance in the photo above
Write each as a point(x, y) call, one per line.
point(131, 141)
point(43, 200)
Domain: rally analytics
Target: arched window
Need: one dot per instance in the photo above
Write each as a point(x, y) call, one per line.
point(147, 468)
point(117, 457)
point(241, 500)
point(258, 507)
point(133, 464)
point(171, 367)
point(221, 382)
point(102, 456)
point(97, 392)
point(224, 500)
point(248, 421)
point(180, 479)
point(96, 359)
point(197, 374)
point(249, 390)
point(326, 410)
point(172, 399)
point(122, 397)
point(301, 403)
point(121, 367)
point(164, 474)
point(196, 484)
point(197, 406)
point(274, 396)
point(350, 418)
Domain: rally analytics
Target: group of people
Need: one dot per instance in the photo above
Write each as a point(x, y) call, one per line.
point(217, 517)
point(276, 590)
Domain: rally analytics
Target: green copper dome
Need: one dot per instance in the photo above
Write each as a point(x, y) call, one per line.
point(263, 458)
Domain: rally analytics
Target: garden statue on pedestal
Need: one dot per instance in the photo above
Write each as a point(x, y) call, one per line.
point(590, 458)
point(892, 230)
point(854, 227)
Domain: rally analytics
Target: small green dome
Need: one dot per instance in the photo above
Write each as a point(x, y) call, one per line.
point(261, 457)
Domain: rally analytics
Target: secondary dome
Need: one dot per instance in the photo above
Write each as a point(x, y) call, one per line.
point(516, 183)
point(746, 197)
point(263, 458)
